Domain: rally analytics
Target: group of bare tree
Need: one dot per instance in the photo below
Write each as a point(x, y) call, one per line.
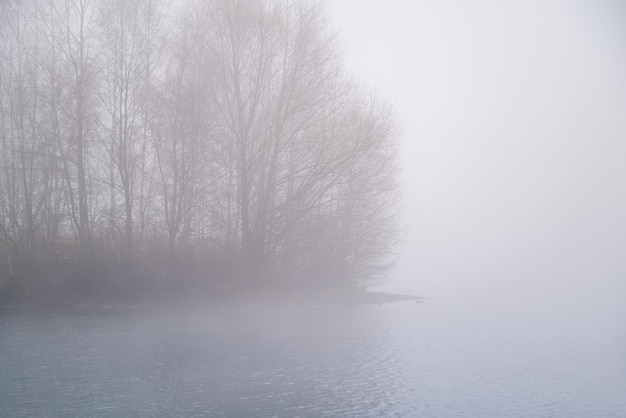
point(218, 130)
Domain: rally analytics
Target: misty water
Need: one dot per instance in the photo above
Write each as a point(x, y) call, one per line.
point(439, 358)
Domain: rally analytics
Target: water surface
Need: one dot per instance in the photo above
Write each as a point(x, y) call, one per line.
point(403, 359)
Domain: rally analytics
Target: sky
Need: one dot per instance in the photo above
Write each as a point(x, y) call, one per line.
point(513, 145)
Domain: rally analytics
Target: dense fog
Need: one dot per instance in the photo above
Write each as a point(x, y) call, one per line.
point(205, 207)
point(513, 148)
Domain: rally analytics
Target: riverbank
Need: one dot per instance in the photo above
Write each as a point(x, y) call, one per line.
point(163, 284)
point(53, 302)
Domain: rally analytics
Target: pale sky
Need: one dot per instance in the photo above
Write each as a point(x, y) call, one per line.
point(513, 144)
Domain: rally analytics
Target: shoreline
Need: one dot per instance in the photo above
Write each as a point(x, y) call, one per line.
point(357, 298)
point(379, 298)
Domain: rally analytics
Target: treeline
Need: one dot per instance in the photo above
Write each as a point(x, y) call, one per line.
point(223, 135)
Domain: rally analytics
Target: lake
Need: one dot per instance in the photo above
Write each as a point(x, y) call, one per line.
point(434, 359)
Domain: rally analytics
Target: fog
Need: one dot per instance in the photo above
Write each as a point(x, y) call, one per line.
point(513, 145)
point(224, 275)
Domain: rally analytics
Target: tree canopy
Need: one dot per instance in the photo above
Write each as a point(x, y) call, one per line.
point(219, 133)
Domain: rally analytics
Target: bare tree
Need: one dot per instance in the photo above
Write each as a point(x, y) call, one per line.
point(182, 132)
point(26, 156)
point(76, 42)
point(229, 132)
point(128, 41)
point(284, 104)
